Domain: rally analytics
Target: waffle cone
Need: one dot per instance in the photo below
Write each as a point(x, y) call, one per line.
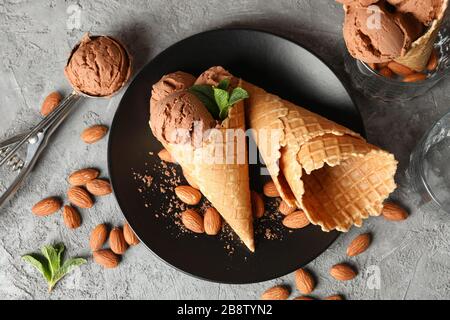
point(419, 54)
point(225, 185)
point(329, 171)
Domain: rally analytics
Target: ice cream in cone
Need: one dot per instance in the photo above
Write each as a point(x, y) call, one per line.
point(329, 171)
point(213, 153)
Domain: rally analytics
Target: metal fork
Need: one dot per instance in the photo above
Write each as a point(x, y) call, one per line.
point(36, 140)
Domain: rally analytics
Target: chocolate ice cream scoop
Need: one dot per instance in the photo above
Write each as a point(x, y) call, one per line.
point(377, 36)
point(173, 82)
point(180, 118)
point(99, 66)
point(213, 76)
point(423, 10)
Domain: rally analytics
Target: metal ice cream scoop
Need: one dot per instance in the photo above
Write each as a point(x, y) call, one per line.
point(36, 140)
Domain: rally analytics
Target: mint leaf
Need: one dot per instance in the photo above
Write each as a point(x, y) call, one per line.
point(41, 267)
point(224, 84)
point(221, 97)
point(237, 95)
point(51, 269)
point(206, 95)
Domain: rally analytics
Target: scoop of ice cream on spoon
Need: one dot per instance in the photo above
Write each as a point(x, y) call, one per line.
point(99, 66)
point(171, 83)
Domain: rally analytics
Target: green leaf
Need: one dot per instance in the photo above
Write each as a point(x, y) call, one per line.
point(237, 95)
point(224, 84)
point(40, 266)
point(66, 268)
point(221, 97)
point(224, 113)
point(53, 257)
point(206, 95)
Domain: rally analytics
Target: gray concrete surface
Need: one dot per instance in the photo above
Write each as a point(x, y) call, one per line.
point(411, 258)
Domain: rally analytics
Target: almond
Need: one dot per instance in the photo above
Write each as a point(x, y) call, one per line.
point(304, 281)
point(106, 258)
point(335, 298)
point(81, 177)
point(276, 293)
point(94, 134)
point(386, 72)
point(212, 221)
point(188, 195)
point(190, 180)
point(296, 220)
point(394, 212)
point(258, 205)
point(46, 207)
point(359, 245)
point(165, 156)
point(193, 221)
point(98, 237)
point(130, 236)
point(80, 198)
point(343, 272)
point(400, 69)
point(415, 77)
point(99, 187)
point(270, 190)
point(50, 103)
point(304, 298)
point(433, 63)
point(71, 217)
point(117, 241)
point(285, 209)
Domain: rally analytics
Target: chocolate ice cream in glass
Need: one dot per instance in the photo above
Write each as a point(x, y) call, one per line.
point(396, 49)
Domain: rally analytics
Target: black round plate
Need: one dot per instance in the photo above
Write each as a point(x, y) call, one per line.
point(274, 63)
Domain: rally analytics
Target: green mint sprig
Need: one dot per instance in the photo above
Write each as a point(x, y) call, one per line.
point(50, 264)
point(218, 100)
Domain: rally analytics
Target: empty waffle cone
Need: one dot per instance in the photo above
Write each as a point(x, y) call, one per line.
point(419, 54)
point(329, 171)
point(225, 185)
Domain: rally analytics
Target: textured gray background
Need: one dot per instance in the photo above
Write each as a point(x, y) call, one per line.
point(413, 256)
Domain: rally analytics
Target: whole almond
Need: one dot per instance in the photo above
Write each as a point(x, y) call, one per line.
point(98, 237)
point(193, 221)
point(296, 220)
point(80, 198)
point(335, 298)
point(258, 205)
point(46, 207)
point(71, 217)
point(304, 298)
point(415, 77)
point(50, 103)
point(94, 134)
point(393, 212)
point(343, 272)
point(400, 69)
point(304, 281)
point(106, 258)
point(285, 209)
point(117, 241)
point(270, 190)
point(212, 221)
point(81, 177)
point(276, 293)
point(434, 61)
point(359, 245)
point(99, 187)
point(165, 156)
point(188, 195)
point(191, 180)
point(130, 236)
point(386, 72)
